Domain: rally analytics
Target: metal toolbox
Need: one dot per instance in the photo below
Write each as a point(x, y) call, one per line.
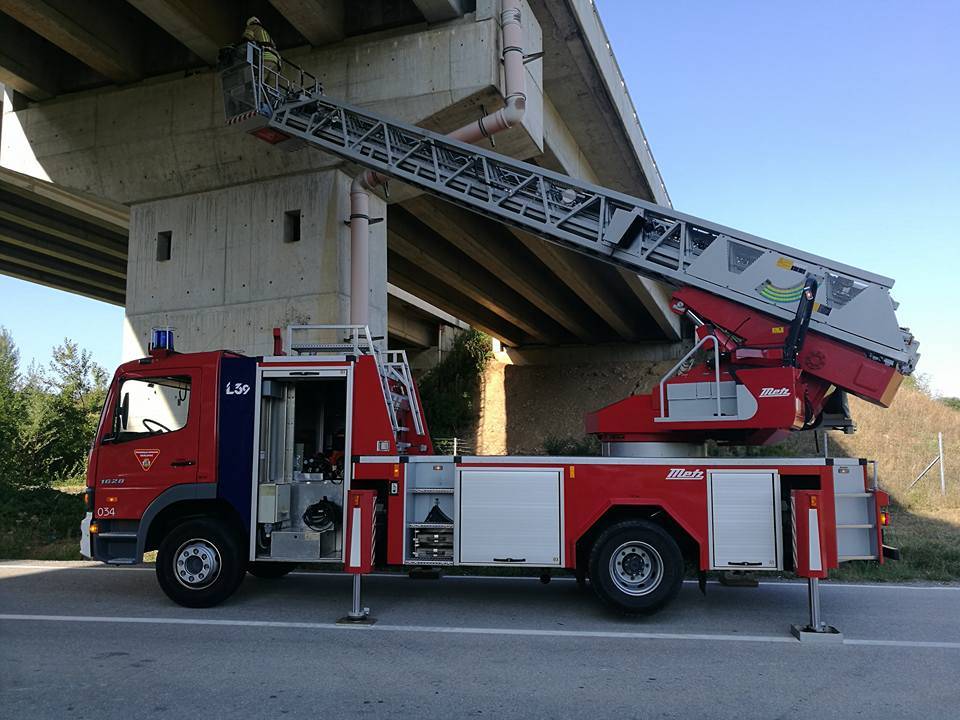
point(296, 545)
point(431, 539)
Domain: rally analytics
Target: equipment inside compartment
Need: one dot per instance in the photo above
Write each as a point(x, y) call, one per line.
point(300, 470)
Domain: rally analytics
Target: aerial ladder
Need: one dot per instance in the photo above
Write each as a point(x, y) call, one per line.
point(784, 334)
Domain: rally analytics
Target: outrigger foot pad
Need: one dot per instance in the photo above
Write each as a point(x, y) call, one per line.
point(361, 620)
point(827, 635)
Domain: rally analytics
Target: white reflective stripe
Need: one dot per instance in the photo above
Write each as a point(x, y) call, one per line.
point(355, 539)
point(814, 543)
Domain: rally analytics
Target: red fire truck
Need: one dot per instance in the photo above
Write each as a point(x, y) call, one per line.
point(227, 464)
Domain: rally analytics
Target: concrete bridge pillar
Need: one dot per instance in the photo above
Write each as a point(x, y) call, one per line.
point(224, 267)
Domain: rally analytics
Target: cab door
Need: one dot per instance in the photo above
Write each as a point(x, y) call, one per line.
point(151, 443)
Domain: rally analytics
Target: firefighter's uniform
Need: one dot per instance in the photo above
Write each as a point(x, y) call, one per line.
point(258, 35)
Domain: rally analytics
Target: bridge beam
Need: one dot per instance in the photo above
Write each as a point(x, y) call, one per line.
point(203, 27)
point(320, 21)
point(89, 32)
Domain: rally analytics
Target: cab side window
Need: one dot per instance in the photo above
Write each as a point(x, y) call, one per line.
point(151, 406)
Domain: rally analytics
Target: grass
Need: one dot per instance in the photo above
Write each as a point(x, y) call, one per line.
point(903, 440)
point(40, 523)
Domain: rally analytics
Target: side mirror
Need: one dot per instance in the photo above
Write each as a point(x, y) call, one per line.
point(124, 412)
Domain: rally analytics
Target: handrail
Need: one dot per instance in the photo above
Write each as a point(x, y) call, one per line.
point(357, 333)
point(716, 370)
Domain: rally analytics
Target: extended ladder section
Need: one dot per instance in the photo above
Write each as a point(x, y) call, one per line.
point(852, 305)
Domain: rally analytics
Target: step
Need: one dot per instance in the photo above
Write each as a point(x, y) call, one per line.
point(432, 491)
point(856, 526)
point(430, 526)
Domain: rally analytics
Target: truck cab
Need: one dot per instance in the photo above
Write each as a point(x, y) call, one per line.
point(248, 456)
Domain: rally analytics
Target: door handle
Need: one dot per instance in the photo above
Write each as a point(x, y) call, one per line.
point(183, 463)
point(510, 559)
point(745, 563)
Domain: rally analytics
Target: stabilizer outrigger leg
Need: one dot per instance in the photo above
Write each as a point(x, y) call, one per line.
point(817, 630)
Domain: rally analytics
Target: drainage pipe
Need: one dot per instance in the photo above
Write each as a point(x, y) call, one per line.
point(511, 31)
point(360, 250)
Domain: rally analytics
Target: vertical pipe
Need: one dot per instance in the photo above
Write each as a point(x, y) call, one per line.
point(943, 480)
point(511, 33)
point(359, 252)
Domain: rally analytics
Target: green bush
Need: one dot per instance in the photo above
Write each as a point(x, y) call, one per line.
point(573, 446)
point(449, 390)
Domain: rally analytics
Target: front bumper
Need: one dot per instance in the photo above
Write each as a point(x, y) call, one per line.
point(85, 548)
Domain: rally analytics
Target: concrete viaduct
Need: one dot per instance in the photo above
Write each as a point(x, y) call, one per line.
point(120, 182)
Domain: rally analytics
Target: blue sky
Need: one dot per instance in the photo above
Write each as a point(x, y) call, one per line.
point(831, 127)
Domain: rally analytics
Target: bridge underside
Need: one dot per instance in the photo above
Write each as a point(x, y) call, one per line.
point(513, 286)
point(77, 104)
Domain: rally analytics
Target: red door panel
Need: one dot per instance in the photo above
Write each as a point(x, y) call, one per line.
point(152, 442)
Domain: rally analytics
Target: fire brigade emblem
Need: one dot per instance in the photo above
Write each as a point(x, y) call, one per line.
point(146, 458)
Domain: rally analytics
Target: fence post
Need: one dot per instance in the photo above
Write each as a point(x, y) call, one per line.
point(943, 481)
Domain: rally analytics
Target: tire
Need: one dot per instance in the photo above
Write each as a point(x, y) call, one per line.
point(636, 567)
point(200, 563)
point(270, 570)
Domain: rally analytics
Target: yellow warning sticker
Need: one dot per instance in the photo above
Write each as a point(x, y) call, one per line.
point(777, 330)
point(785, 263)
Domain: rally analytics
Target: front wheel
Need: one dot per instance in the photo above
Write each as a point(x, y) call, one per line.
point(200, 563)
point(636, 567)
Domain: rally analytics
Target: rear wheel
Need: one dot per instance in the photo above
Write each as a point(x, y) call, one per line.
point(636, 567)
point(270, 570)
point(200, 563)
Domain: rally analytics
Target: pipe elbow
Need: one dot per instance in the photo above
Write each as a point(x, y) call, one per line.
point(366, 181)
point(513, 112)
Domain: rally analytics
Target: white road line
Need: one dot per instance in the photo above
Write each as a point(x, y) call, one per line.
point(516, 632)
point(516, 578)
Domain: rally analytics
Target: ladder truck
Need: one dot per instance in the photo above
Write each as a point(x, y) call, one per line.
point(227, 464)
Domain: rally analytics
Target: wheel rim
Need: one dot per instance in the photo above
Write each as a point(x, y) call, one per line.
point(196, 564)
point(636, 568)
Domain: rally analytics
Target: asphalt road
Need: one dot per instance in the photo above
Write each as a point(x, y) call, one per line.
point(80, 641)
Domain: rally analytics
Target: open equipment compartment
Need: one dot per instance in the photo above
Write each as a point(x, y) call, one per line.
point(429, 532)
point(302, 468)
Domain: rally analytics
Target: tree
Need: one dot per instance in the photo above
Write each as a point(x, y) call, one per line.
point(62, 410)
point(11, 404)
